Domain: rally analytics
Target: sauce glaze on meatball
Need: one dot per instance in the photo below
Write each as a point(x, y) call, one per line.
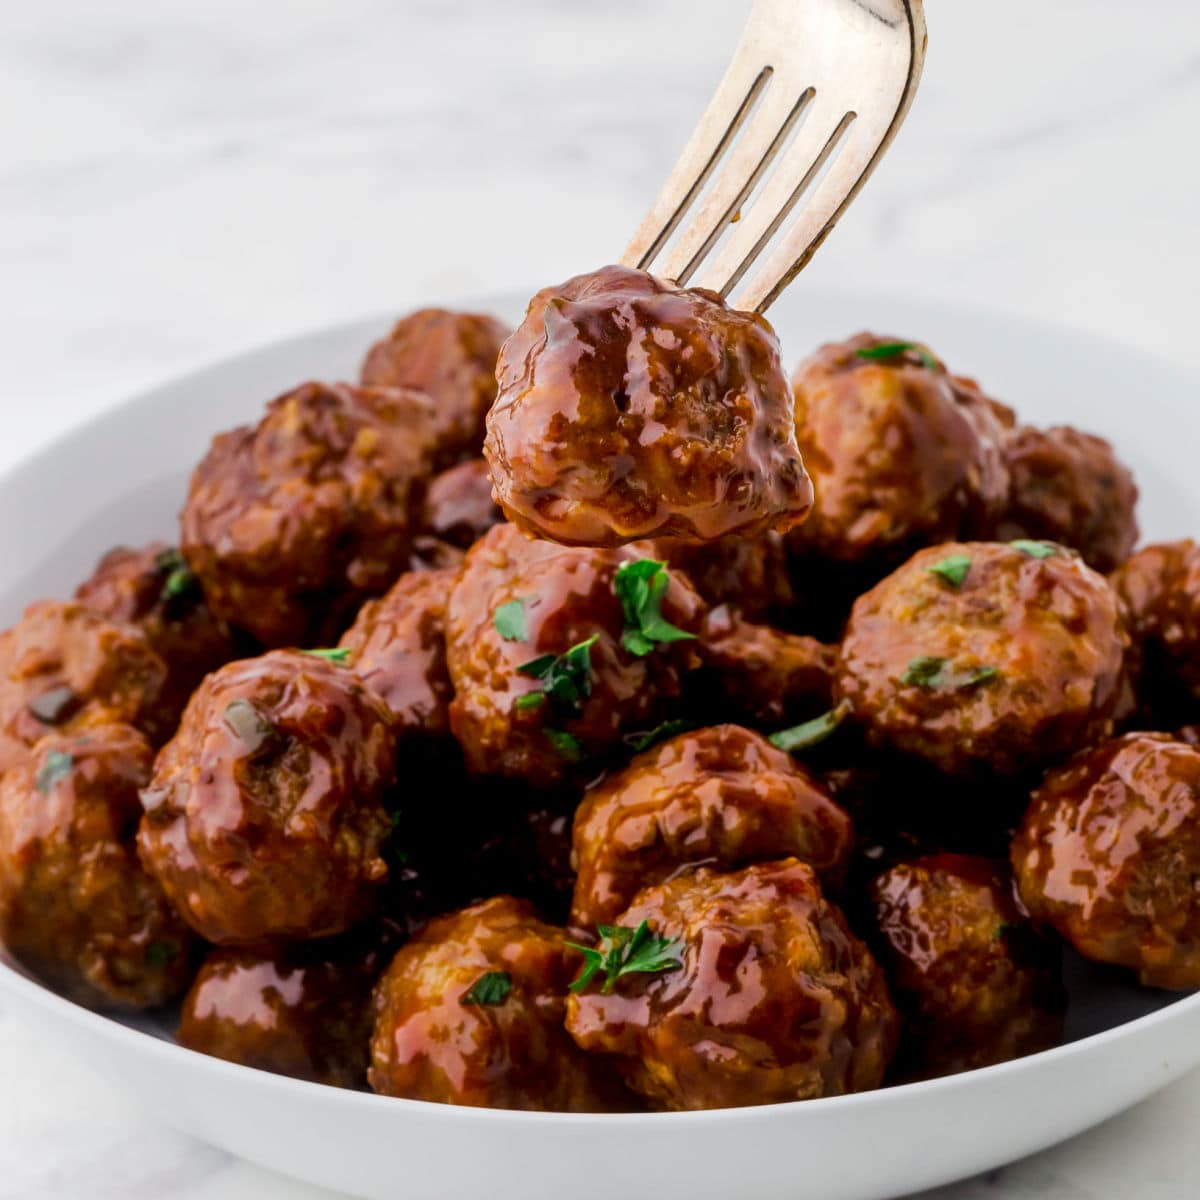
point(775, 999)
point(459, 508)
point(749, 575)
point(265, 818)
point(629, 408)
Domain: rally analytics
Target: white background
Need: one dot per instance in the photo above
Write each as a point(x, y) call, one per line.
point(180, 179)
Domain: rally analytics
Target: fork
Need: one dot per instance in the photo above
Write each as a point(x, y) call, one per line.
point(813, 97)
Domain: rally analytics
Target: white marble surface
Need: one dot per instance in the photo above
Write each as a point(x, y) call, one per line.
point(182, 179)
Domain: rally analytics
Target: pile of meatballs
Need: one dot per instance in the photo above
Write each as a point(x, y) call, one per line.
point(587, 718)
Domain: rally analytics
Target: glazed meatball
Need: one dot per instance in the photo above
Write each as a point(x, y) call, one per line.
point(722, 796)
point(545, 699)
point(398, 648)
point(76, 907)
point(982, 657)
point(974, 982)
point(265, 817)
point(63, 666)
point(451, 356)
point(459, 508)
point(629, 408)
point(772, 998)
point(291, 524)
point(471, 1012)
point(304, 1012)
point(902, 453)
point(762, 676)
point(1069, 487)
point(1160, 586)
point(1109, 856)
point(750, 575)
point(154, 588)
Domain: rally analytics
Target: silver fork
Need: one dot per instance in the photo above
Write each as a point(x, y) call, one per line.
point(812, 99)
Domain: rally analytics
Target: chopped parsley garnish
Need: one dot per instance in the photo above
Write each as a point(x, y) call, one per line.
point(161, 954)
point(625, 951)
point(246, 722)
point(566, 678)
point(510, 622)
point(530, 700)
point(340, 656)
point(886, 350)
point(1034, 549)
point(811, 733)
point(491, 988)
point(929, 672)
point(180, 582)
point(567, 744)
point(58, 765)
point(953, 569)
point(638, 742)
point(640, 586)
point(55, 706)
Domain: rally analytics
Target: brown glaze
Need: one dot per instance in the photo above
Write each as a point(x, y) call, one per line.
point(398, 647)
point(451, 356)
point(776, 999)
point(304, 1013)
point(63, 667)
point(76, 907)
point(151, 587)
point(1069, 487)
point(1050, 628)
point(629, 408)
point(762, 676)
point(569, 597)
point(292, 523)
point(722, 796)
point(1109, 856)
point(264, 820)
point(429, 1045)
point(459, 508)
point(974, 982)
point(902, 455)
point(749, 575)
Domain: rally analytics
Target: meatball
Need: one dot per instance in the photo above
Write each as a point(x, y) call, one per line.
point(154, 588)
point(398, 648)
point(974, 982)
point(63, 666)
point(762, 676)
point(902, 453)
point(451, 356)
point(722, 796)
point(539, 649)
point(1109, 854)
point(76, 907)
point(304, 1012)
point(630, 408)
point(749, 575)
point(1069, 487)
point(265, 817)
point(459, 508)
point(764, 995)
point(983, 658)
point(291, 524)
point(1160, 586)
point(471, 1012)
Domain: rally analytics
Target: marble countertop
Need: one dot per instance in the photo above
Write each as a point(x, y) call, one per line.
point(181, 180)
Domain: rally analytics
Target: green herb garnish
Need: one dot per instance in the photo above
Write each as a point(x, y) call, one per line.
point(530, 700)
point(811, 733)
point(1034, 549)
point(180, 579)
point(929, 672)
point(160, 954)
point(567, 744)
point(638, 742)
point(55, 706)
point(58, 765)
point(492, 988)
point(886, 350)
point(510, 622)
point(640, 586)
point(339, 656)
point(952, 569)
point(247, 723)
point(566, 678)
point(625, 951)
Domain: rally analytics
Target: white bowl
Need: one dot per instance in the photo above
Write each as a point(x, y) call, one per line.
point(122, 479)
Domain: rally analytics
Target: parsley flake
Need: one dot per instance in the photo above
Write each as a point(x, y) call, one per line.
point(638, 742)
point(530, 700)
point(160, 954)
point(58, 765)
point(567, 744)
point(886, 350)
point(953, 569)
point(930, 673)
point(339, 657)
point(180, 582)
point(625, 951)
point(1034, 549)
point(491, 988)
point(640, 586)
point(566, 678)
point(510, 621)
point(811, 733)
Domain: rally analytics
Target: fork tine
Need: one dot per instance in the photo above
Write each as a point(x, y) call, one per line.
point(738, 92)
